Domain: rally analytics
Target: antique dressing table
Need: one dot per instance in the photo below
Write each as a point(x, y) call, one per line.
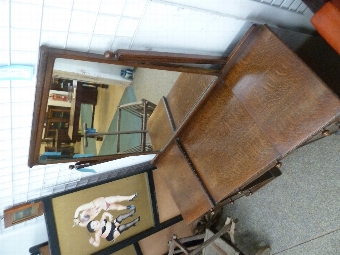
point(81, 94)
point(219, 138)
point(221, 131)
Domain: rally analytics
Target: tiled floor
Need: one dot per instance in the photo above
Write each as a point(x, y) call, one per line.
point(298, 212)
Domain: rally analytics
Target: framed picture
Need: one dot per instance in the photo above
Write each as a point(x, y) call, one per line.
point(22, 212)
point(107, 216)
point(100, 216)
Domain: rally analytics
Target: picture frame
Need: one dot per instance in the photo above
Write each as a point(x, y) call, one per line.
point(22, 212)
point(59, 218)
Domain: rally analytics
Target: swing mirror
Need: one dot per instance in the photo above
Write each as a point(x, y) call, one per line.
point(76, 116)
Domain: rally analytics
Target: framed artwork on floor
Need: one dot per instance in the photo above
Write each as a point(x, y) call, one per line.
point(100, 216)
point(104, 217)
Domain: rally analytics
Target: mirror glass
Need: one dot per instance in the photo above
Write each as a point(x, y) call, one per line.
point(82, 113)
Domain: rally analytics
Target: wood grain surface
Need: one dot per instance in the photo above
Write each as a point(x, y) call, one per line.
point(266, 103)
point(225, 144)
point(181, 98)
point(185, 93)
point(285, 98)
point(183, 185)
point(159, 127)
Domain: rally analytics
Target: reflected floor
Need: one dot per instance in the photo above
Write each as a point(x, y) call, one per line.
point(148, 84)
point(105, 120)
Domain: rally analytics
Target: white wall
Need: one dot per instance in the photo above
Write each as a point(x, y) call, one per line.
point(21, 238)
point(92, 70)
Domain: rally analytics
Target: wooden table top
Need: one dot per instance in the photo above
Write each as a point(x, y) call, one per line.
point(265, 105)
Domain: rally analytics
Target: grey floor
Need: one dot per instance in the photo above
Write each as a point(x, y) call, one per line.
point(297, 213)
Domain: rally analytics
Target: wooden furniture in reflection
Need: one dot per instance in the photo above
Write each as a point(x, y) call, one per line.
point(218, 136)
point(57, 119)
point(61, 143)
point(61, 84)
point(61, 138)
point(81, 94)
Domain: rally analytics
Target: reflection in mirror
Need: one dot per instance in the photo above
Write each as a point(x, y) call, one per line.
point(82, 115)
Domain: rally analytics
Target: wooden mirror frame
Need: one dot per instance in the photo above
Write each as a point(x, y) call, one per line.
point(154, 60)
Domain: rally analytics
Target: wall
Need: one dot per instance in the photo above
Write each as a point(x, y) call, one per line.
point(90, 71)
point(18, 241)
